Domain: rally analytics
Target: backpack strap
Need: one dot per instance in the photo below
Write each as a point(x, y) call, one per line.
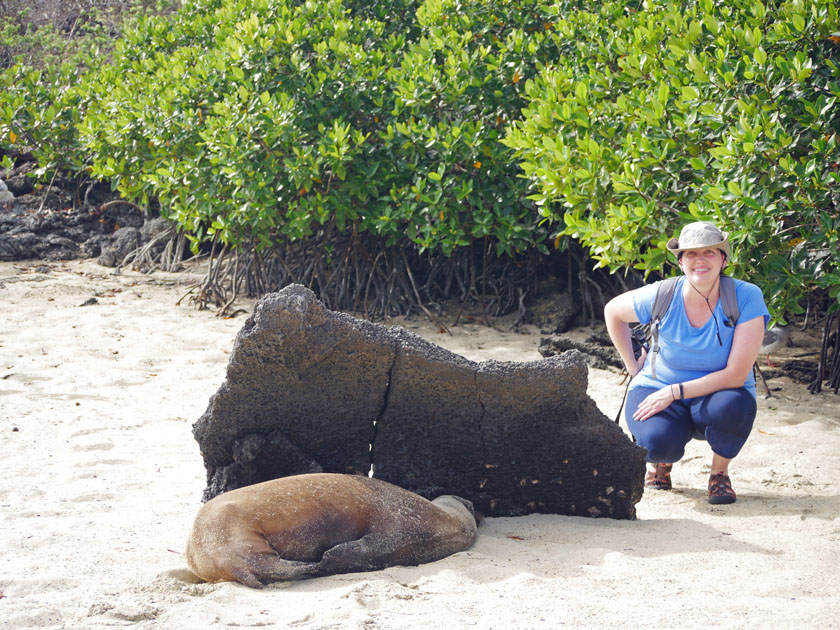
point(664, 293)
point(728, 301)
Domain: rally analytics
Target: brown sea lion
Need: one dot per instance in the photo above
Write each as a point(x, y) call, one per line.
point(320, 524)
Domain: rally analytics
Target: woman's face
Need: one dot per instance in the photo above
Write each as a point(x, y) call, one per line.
point(702, 266)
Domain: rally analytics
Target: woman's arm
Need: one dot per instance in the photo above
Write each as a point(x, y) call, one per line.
point(746, 342)
point(618, 314)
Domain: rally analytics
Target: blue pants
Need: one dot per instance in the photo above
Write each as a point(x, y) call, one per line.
point(724, 419)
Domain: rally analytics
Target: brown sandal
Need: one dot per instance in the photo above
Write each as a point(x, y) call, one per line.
point(660, 479)
point(720, 490)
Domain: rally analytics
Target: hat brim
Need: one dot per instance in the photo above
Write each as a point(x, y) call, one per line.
point(673, 246)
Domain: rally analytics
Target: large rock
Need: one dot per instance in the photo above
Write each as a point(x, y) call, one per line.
point(310, 390)
point(555, 314)
point(124, 241)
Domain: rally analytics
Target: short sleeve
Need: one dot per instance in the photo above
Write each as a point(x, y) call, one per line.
point(643, 299)
point(751, 303)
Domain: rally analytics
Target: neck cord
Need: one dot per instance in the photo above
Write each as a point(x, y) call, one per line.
point(711, 310)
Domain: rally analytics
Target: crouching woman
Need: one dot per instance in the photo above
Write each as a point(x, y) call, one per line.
point(700, 384)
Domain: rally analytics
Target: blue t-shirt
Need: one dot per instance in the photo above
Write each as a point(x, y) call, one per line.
point(686, 352)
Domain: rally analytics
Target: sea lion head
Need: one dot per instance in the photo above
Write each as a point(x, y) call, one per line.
point(452, 501)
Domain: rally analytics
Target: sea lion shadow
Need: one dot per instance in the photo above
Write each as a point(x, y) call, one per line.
point(403, 577)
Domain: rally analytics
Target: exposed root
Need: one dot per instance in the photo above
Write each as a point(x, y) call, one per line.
point(150, 257)
point(828, 370)
point(360, 275)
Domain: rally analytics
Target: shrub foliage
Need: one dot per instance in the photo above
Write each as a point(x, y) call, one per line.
point(269, 119)
point(355, 133)
point(261, 122)
point(668, 112)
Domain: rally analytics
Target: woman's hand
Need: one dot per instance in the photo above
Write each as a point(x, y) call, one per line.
point(640, 362)
point(653, 404)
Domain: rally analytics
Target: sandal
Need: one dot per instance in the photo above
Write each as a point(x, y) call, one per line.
point(720, 490)
point(659, 479)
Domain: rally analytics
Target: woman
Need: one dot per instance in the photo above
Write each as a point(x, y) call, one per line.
point(703, 385)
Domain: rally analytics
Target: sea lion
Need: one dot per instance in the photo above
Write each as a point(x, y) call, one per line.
point(320, 524)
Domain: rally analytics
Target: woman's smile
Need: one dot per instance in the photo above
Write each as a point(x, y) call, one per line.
point(702, 263)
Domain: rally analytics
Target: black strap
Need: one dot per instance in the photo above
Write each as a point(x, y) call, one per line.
point(623, 399)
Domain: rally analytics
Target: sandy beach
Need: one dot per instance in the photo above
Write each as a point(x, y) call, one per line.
point(102, 377)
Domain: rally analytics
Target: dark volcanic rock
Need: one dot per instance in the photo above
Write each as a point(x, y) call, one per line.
point(429, 436)
point(60, 221)
point(121, 245)
point(555, 314)
point(26, 234)
point(310, 381)
point(309, 389)
point(600, 353)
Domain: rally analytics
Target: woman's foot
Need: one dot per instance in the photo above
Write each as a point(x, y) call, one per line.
point(720, 489)
point(660, 477)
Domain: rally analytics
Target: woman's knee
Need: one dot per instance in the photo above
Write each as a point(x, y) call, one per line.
point(728, 418)
point(665, 450)
point(728, 410)
point(664, 435)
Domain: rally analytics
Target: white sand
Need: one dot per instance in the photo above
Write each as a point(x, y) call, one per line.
point(101, 479)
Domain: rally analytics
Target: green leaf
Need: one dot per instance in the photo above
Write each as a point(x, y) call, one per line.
point(690, 93)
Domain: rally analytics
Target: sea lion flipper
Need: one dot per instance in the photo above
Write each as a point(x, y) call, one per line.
point(246, 577)
point(269, 567)
point(368, 553)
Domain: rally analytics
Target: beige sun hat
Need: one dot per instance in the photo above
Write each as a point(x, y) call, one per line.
point(699, 235)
